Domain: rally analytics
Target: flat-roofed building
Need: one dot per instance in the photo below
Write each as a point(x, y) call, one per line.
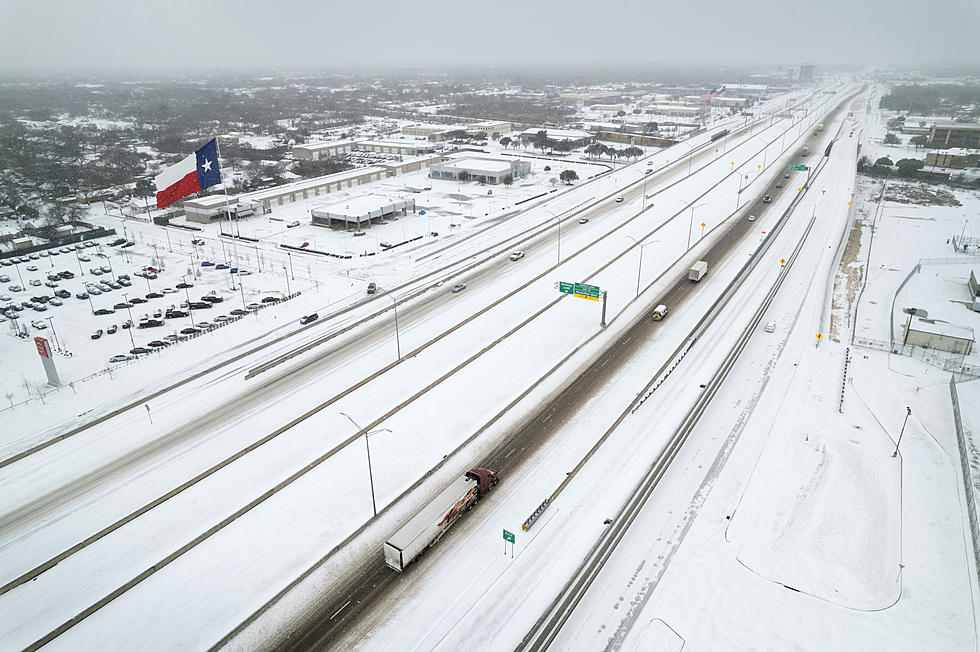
point(483, 170)
point(410, 164)
point(432, 133)
point(359, 212)
point(957, 158)
point(401, 147)
point(678, 110)
point(577, 137)
point(326, 149)
point(954, 135)
point(939, 335)
point(489, 127)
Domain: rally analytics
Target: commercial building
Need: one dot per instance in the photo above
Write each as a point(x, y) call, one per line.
point(745, 90)
point(806, 72)
point(401, 147)
point(489, 127)
point(938, 335)
point(411, 164)
point(328, 149)
point(954, 135)
point(432, 133)
point(611, 108)
point(578, 137)
point(678, 110)
point(360, 212)
point(957, 158)
point(483, 170)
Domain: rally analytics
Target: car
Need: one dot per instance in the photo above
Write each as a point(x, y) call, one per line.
point(5, 263)
point(171, 338)
point(205, 324)
point(222, 318)
point(517, 255)
point(292, 224)
point(138, 350)
point(619, 200)
point(767, 199)
point(55, 302)
point(171, 314)
point(66, 274)
point(65, 250)
point(779, 184)
point(459, 287)
point(123, 282)
point(771, 327)
point(154, 295)
point(4, 278)
point(111, 330)
point(39, 324)
point(120, 358)
point(81, 295)
point(238, 312)
point(128, 244)
point(307, 244)
point(15, 288)
point(190, 330)
point(309, 319)
point(6, 297)
point(104, 311)
point(51, 284)
point(138, 300)
point(659, 312)
point(53, 277)
point(95, 271)
point(128, 323)
point(35, 282)
point(97, 334)
point(32, 268)
point(85, 259)
point(91, 243)
point(359, 233)
point(41, 298)
point(584, 220)
point(786, 176)
point(157, 343)
point(113, 285)
point(169, 291)
point(36, 257)
point(94, 291)
point(105, 269)
point(183, 286)
point(221, 266)
point(751, 218)
point(122, 306)
point(79, 246)
point(39, 307)
point(372, 288)
point(199, 305)
point(149, 322)
point(197, 241)
point(212, 298)
point(244, 272)
point(207, 263)
point(117, 242)
point(26, 304)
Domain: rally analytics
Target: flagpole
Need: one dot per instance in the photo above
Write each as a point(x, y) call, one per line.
point(224, 187)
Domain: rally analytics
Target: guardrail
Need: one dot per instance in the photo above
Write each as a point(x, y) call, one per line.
point(969, 484)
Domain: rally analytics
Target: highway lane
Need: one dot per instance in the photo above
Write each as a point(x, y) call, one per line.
point(367, 590)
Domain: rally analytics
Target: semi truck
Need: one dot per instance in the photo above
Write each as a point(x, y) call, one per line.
point(697, 271)
point(434, 520)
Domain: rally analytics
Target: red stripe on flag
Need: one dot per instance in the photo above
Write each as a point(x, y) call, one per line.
point(187, 185)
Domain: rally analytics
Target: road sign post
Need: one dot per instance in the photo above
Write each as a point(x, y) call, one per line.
point(509, 537)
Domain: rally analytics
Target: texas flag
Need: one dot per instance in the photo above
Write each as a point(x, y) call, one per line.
point(195, 173)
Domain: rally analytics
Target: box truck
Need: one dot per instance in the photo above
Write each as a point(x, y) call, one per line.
point(697, 271)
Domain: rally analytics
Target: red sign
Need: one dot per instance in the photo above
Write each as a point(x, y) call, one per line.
point(42, 347)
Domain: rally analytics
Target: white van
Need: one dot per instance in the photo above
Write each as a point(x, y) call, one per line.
point(517, 255)
point(659, 312)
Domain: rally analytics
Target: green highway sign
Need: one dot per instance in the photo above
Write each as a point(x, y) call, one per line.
point(797, 167)
point(567, 288)
point(587, 291)
point(509, 536)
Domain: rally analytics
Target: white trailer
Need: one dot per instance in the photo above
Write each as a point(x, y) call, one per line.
point(435, 519)
point(697, 271)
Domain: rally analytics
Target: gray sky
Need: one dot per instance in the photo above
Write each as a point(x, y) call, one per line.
point(175, 35)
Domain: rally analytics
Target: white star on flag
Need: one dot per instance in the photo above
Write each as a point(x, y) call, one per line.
point(207, 165)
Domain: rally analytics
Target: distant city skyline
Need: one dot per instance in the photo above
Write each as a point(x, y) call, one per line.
point(186, 36)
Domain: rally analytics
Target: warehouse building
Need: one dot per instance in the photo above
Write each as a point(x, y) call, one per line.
point(954, 135)
point(400, 147)
point(329, 149)
point(411, 164)
point(489, 127)
point(432, 133)
point(678, 110)
point(360, 212)
point(482, 170)
point(957, 158)
point(938, 335)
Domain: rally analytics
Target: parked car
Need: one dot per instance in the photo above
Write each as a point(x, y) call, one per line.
point(253, 306)
point(128, 244)
point(157, 343)
point(190, 330)
point(50, 284)
point(122, 306)
point(205, 324)
point(238, 312)
point(39, 324)
point(138, 350)
point(168, 291)
point(35, 282)
point(197, 241)
point(120, 358)
point(308, 319)
point(117, 242)
point(62, 294)
point(292, 224)
point(97, 334)
point(244, 272)
point(128, 323)
point(66, 274)
point(171, 338)
point(459, 287)
point(81, 295)
point(173, 314)
point(154, 295)
point(771, 327)
point(183, 286)
point(124, 282)
point(104, 311)
point(212, 298)
point(222, 318)
point(138, 300)
point(32, 268)
point(270, 299)
point(221, 266)
point(207, 263)
point(15, 288)
point(94, 291)
point(199, 305)
point(55, 302)
point(111, 330)
point(372, 288)
point(53, 277)
point(105, 269)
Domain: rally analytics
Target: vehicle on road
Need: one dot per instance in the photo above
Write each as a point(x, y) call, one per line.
point(659, 312)
point(120, 358)
point(619, 200)
point(751, 218)
point(292, 224)
point(372, 288)
point(221, 266)
point(427, 526)
point(767, 199)
point(459, 287)
point(584, 220)
point(697, 271)
point(212, 298)
point(182, 286)
point(197, 241)
point(309, 319)
point(207, 263)
point(786, 175)
point(771, 327)
point(304, 245)
point(517, 255)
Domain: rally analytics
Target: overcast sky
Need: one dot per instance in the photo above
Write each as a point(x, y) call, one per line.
point(177, 35)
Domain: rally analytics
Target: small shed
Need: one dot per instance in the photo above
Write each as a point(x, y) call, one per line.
point(939, 335)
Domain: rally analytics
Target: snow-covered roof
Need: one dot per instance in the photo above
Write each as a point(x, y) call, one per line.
point(362, 205)
point(485, 165)
point(941, 328)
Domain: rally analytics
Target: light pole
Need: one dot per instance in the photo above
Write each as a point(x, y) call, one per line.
point(690, 226)
point(77, 258)
point(639, 265)
point(290, 257)
point(190, 313)
point(394, 304)
point(131, 324)
point(908, 413)
point(367, 435)
point(54, 332)
point(559, 232)
point(285, 273)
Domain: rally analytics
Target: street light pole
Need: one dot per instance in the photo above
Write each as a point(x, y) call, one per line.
point(908, 413)
point(54, 332)
point(131, 324)
point(190, 312)
point(367, 445)
point(394, 303)
point(690, 226)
